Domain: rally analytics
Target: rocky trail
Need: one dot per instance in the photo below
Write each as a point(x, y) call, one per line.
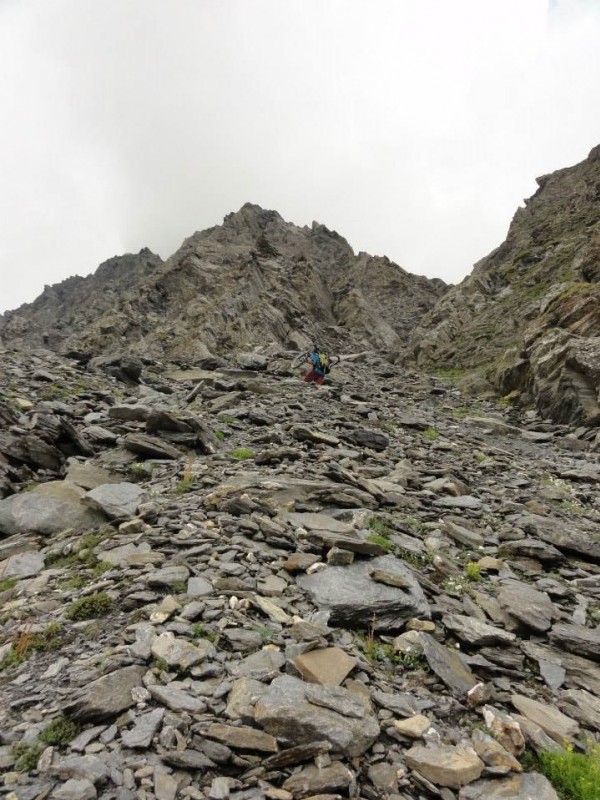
point(228, 584)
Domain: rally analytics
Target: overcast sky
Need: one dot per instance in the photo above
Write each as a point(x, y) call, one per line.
point(413, 127)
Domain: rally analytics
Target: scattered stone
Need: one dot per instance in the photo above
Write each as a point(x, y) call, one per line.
point(329, 666)
point(116, 500)
point(556, 724)
point(288, 711)
point(448, 666)
point(445, 765)
point(105, 697)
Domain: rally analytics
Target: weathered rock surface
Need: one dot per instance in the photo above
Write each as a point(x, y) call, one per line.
point(528, 315)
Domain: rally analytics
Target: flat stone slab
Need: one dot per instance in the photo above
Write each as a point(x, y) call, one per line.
point(329, 666)
point(22, 565)
point(577, 639)
point(527, 605)
point(556, 724)
point(354, 599)
point(177, 699)
point(49, 508)
point(529, 786)
point(318, 522)
point(116, 500)
point(475, 632)
point(106, 697)
point(88, 476)
point(445, 765)
point(448, 666)
point(243, 738)
point(144, 729)
point(303, 713)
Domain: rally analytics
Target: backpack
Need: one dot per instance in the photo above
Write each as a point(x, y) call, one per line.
point(324, 363)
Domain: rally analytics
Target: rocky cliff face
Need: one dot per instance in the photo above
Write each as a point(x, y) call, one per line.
point(527, 319)
point(253, 281)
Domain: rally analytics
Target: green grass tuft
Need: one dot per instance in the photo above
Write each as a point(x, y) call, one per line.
point(575, 776)
point(90, 607)
point(59, 732)
point(382, 541)
point(27, 755)
point(430, 434)
point(242, 453)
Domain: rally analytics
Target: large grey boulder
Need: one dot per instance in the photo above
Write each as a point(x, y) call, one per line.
point(49, 508)
point(116, 500)
point(300, 713)
point(354, 599)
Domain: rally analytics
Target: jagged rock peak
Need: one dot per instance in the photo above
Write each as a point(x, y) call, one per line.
point(253, 281)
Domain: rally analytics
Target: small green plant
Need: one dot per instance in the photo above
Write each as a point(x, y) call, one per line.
point(7, 584)
point(411, 661)
point(59, 732)
point(473, 571)
point(220, 435)
point(27, 755)
point(160, 665)
point(227, 419)
point(242, 453)
point(382, 541)
point(417, 560)
point(414, 523)
point(100, 568)
point(430, 434)
point(185, 485)
point(90, 607)
point(27, 642)
point(452, 375)
point(140, 472)
point(179, 587)
point(74, 582)
point(575, 776)
point(266, 632)
point(378, 526)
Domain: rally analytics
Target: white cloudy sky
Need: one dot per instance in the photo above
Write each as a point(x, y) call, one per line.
point(413, 127)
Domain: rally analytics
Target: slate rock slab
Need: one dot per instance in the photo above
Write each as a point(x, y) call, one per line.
point(527, 605)
point(448, 666)
point(556, 724)
point(297, 713)
point(354, 599)
point(107, 696)
point(116, 500)
point(145, 727)
point(577, 639)
point(22, 565)
point(150, 446)
point(47, 509)
point(530, 786)
point(475, 632)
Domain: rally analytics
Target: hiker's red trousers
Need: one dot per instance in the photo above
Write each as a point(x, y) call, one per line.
point(314, 377)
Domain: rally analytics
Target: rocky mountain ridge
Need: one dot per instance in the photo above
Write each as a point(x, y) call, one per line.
point(526, 321)
point(226, 584)
point(251, 282)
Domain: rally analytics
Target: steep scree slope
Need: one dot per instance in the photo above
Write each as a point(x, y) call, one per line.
point(279, 591)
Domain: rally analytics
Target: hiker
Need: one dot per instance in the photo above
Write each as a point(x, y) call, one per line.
point(319, 361)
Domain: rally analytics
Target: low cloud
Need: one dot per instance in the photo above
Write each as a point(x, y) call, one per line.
point(413, 128)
